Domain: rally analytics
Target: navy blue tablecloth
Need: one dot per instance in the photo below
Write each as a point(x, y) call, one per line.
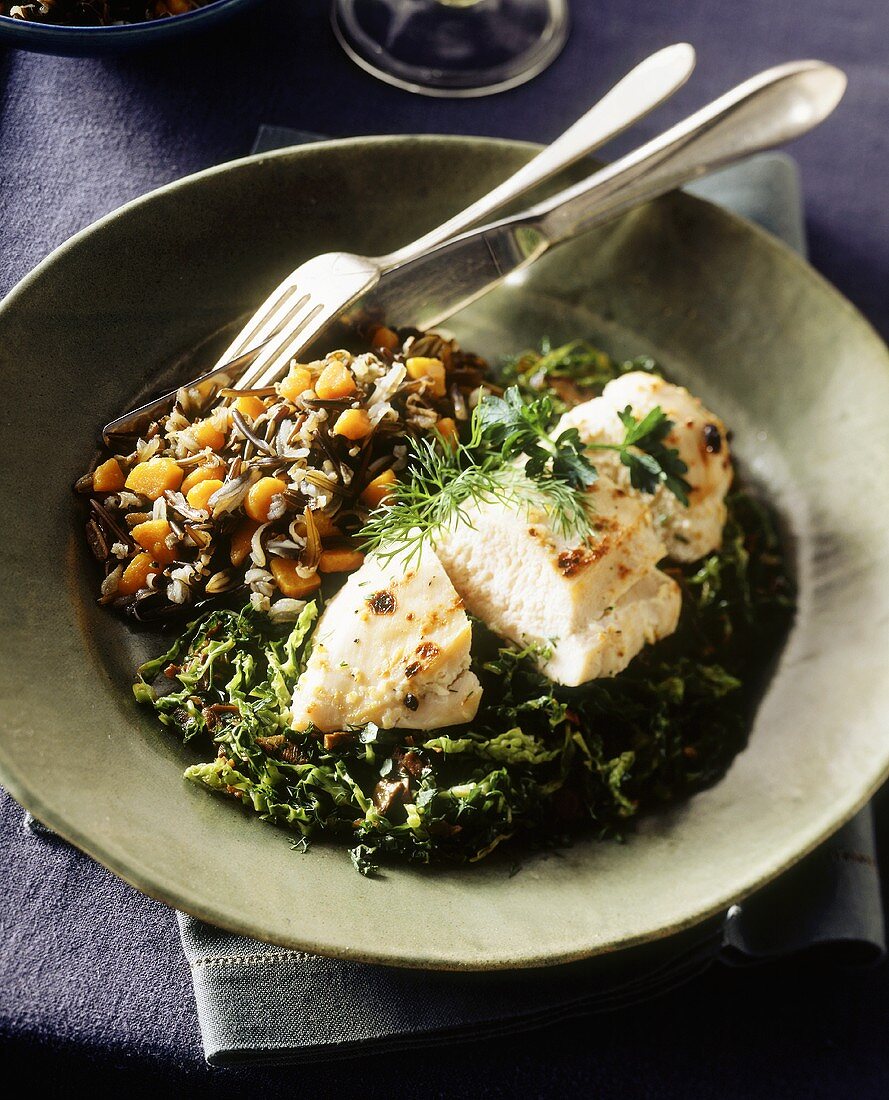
point(79, 137)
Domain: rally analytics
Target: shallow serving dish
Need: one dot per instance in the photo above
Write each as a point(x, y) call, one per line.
point(74, 41)
point(764, 340)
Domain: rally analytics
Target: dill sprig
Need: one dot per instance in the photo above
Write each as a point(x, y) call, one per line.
point(444, 479)
point(511, 458)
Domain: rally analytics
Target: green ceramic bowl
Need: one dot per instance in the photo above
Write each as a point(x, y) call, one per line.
point(787, 362)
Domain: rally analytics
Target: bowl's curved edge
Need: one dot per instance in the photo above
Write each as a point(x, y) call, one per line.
point(804, 268)
point(818, 833)
point(68, 40)
point(229, 923)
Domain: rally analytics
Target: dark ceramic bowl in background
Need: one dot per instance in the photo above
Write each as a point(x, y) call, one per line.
point(73, 41)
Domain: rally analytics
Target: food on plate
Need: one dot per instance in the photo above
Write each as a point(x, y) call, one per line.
point(262, 492)
point(588, 605)
point(391, 648)
point(690, 529)
point(442, 606)
point(92, 13)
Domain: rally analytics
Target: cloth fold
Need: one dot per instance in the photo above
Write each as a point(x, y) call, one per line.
point(263, 1004)
point(258, 1003)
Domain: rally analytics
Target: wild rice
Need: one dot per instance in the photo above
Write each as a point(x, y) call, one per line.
point(293, 439)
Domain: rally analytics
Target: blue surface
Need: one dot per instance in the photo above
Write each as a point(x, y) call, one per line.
point(79, 137)
point(100, 983)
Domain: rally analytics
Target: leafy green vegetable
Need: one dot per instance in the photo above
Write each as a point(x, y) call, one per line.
point(511, 747)
point(569, 373)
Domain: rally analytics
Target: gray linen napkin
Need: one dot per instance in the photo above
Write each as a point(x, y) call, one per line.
point(263, 1004)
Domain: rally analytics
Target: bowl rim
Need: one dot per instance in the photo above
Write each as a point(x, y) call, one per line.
point(23, 28)
point(30, 798)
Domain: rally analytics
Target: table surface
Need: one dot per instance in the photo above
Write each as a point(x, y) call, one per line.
point(80, 137)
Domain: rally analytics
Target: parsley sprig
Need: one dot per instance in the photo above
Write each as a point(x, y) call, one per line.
point(645, 454)
point(511, 458)
point(520, 428)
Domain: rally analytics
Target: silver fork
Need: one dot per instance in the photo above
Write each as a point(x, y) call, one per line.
point(423, 288)
point(322, 288)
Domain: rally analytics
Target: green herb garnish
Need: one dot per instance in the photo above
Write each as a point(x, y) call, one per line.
point(511, 458)
point(650, 462)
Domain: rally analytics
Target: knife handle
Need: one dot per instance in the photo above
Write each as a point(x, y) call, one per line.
point(769, 109)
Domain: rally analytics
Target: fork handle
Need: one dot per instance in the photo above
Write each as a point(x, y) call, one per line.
point(643, 88)
point(772, 108)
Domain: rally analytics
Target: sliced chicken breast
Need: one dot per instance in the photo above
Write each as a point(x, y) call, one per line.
point(645, 614)
point(392, 648)
point(532, 586)
point(699, 436)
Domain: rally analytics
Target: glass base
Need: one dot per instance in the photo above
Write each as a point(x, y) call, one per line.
point(452, 48)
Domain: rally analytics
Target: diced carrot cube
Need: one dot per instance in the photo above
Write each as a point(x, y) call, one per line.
point(152, 537)
point(421, 367)
point(260, 497)
point(250, 405)
point(150, 532)
point(199, 495)
point(379, 490)
point(242, 536)
point(290, 582)
point(108, 477)
point(324, 524)
point(340, 559)
point(202, 473)
point(208, 435)
point(353, 424)
point(136, 574)
point(385, 339)
point(335, 382)
point(155, 477)
point(447, 429)
point(297, 382)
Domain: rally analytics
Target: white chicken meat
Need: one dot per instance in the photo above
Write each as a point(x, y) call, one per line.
point(392, 648)
point(590, 606)
point(698, 434)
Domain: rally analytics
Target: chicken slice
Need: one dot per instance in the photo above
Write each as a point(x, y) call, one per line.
point(699, 436)
point(392, 648)
point(532, 586)
point(605, 646)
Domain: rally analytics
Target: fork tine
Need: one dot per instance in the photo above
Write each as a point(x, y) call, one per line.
point(274, 357)
point(291, 308)
point(291, 315)
point(129, 422)
point(247, 337)
point(316, 320)
point(273, 313)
